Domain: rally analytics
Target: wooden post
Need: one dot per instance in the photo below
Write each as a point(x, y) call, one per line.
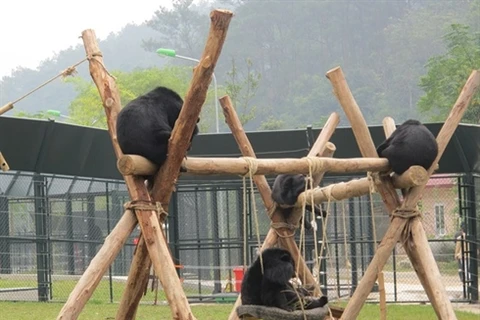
point(5, 108)
point(98, 266)
point(178, 145)
point(3, 163)
point(264, 189)
point(111, 102)
point(417, 247)
point(398, 224)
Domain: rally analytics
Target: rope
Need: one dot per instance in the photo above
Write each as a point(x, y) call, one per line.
point(70, 71)
point(371, 181)
point(327, 192)
point(405, 213)
point(348, 264)
point(252, 169)
point(245, 234)
point(283, 225)
point(146, 205)
point(252, 164)
point(315, 164)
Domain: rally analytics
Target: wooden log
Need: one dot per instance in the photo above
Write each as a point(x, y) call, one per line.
point(135, 288)
point(231, 118)
point(360, 130)
point(5, 108)
point(392, 235)
point(417, 247)
point(194, 100)
point(3, 163)
point(137, 165)
point(105, 256)
point(388, 127)
point(179, 142)
point(111, 102)
point(234, 123)
point(137, 190)
point(384, 187)
point(414, 176)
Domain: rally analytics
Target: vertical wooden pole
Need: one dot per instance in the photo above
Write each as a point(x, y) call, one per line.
point(398, 224)
point(264, 189)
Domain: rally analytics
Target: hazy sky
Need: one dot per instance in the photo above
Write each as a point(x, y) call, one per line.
point(32, 30)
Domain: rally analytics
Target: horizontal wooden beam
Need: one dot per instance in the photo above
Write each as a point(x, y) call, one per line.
point(137, 165)
point(414, 176)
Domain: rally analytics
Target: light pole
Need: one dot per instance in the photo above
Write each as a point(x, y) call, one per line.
point(173, 54)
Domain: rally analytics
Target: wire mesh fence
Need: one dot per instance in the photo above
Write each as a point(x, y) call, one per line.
point(52, 226)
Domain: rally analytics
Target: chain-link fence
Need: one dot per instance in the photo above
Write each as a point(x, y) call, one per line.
point(52, 226)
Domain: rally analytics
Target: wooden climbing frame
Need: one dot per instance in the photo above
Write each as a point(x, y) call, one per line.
point(152, 248)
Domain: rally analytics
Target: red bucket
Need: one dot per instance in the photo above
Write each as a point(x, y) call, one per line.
point(238, 271)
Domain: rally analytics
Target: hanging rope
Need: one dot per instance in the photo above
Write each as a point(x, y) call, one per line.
point(348, 264)
point(252, 170)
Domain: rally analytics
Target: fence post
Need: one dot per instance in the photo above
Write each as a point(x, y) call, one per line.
point(5, 265)
point(69, 235)
point(472, 239)
point(216, 238)
point(39, 193)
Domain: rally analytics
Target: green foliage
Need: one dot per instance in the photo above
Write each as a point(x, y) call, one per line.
point(241, 88)
point(36, 115)
point(272, 124)
point(183, 28)
point(447, 73)
point(382, 46)
point(86, 108)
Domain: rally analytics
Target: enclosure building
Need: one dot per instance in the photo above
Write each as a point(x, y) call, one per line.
point(64, 194)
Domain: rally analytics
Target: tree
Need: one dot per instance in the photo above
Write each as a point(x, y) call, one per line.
point(272, 124)
point(241, 88)
point(447, 73)
point(31, 115)
point(86, 108)
point(183, 28)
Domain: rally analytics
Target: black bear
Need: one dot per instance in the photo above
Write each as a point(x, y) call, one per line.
point(273, 287)
point(285, 191)
point(409, 145)
point(145, 124)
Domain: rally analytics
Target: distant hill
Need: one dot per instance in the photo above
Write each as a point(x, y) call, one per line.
point(123, 49)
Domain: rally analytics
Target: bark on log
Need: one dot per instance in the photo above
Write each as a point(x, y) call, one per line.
point(90, 279)
point(384, 187)
point(137, 165)
point(137, 190)
point(434, 288)
point(179, 142)
point(414, 176)
point(417, 247)
point(111, 102)
point(3, 163)
point(5, 108)
point(264, 189)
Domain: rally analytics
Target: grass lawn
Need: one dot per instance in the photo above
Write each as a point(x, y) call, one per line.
point(103, 311)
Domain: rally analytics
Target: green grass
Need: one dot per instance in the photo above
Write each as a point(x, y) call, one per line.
point(103, 311)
